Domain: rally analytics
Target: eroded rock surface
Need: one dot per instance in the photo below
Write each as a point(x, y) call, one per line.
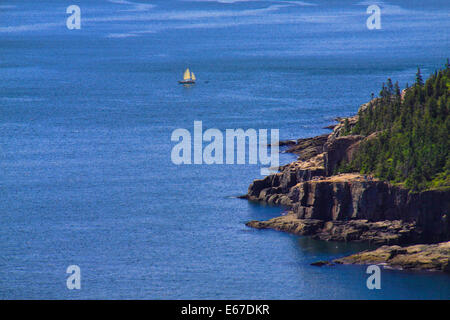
point(380, 232)
point(433, 257)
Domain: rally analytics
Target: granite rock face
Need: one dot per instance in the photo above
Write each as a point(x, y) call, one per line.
point(348, 197)
point(311, 192)
point(337, 149)
point(432, 257)
point(289, 223)
point(380, 232)
point(309, 147)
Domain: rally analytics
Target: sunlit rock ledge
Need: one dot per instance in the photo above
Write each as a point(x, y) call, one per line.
point(431, 257)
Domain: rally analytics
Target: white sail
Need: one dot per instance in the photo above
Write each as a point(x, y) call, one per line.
point(187, 75)
point(192, 76)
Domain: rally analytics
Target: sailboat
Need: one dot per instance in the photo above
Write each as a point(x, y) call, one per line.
point(188, 77)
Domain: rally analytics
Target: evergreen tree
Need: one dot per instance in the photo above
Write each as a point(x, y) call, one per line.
point(397, 89)
point(419, 80)
point(390, 87)
point(383, 91)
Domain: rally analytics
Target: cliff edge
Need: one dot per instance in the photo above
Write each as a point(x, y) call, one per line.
point(351, 206)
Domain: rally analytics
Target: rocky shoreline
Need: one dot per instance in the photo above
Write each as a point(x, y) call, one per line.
point(348, 207)
point(380, 232)
point(431, 257)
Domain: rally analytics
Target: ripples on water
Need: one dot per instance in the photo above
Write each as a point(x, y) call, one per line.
point(85, 125)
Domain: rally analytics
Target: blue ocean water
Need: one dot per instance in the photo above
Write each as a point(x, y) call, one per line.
point(86, 118)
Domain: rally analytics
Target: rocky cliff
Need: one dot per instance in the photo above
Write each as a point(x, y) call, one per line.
point(347, 207)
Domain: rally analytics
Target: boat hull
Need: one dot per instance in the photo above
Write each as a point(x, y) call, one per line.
point(186, 82)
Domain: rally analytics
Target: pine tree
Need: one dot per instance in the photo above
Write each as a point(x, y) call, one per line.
point(383, 92)
point(390, 87)
point(397, 89)
point(419, 80)
point(346, 126)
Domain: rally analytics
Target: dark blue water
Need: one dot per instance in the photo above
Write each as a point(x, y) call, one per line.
point(86, 117)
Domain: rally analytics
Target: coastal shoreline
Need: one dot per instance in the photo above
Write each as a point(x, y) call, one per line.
point(420, 257)
point(353, 207)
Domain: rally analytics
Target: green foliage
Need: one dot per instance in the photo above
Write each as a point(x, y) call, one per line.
point(409, 138)
point(419, 80)
point(346, 130)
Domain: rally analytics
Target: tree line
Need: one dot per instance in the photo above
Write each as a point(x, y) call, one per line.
point(410, 134)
